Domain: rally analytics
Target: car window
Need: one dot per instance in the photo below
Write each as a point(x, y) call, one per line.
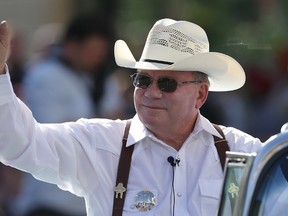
point(271, 194)
point(237, 170)
point(230, 190)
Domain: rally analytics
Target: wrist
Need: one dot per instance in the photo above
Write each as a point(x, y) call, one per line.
point(2, 69)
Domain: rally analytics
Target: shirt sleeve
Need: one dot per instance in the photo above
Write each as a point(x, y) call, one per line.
point(240, 141)
point(47, 151)
point(6, 90)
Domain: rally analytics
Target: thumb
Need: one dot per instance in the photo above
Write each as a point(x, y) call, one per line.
point(4, 44)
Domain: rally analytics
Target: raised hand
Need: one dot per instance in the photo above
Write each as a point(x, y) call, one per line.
point(4, 45)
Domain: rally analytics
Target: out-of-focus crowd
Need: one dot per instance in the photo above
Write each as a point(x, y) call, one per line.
point(72, 75)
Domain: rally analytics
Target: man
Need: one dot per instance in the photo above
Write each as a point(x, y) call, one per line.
point(168, 126)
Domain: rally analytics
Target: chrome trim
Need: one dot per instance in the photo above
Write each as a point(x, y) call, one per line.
point(248, 159)
point(273, 146)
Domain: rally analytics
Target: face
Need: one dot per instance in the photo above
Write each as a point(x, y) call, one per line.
point(93, 52)
point(176, 110)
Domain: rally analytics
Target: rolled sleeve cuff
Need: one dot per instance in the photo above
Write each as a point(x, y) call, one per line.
point(6, 89)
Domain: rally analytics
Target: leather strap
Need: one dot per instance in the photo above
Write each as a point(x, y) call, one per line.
point(123, 173)
point(221, 146)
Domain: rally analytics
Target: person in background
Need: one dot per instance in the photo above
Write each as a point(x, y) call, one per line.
point(58, 87)
point(16, 63)
point(10, 187)
point(175, 168)
point(117, 99)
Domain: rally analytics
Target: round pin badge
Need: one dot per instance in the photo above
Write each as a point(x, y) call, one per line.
point(145, 201)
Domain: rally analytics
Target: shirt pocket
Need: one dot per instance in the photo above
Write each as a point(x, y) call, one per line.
point(210, 192)
point(130, 208)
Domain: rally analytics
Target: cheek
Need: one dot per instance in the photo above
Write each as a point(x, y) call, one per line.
point(185, 100)
point(185, 109)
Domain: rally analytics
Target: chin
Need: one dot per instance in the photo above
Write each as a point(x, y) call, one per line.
point(151, 120)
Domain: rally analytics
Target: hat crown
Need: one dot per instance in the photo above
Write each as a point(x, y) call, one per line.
point(171, 41)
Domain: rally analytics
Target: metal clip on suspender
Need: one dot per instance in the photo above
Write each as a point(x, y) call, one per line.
point(125, 162)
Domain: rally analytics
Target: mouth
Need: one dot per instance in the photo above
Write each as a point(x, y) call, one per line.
point(153, 107)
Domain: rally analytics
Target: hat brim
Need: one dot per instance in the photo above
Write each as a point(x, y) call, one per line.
point(224, 72)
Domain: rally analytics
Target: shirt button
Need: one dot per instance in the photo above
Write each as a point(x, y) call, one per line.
point(179, 194)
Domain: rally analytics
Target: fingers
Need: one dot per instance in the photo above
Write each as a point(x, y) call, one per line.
point(4, 44)
point(4, 34)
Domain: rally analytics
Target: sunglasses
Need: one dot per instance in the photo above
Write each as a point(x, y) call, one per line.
point(165, 84)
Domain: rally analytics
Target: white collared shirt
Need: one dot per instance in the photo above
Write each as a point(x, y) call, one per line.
point(82, 157)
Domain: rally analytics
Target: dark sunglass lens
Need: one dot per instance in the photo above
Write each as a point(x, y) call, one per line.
point(142, 81)
point(167, 84)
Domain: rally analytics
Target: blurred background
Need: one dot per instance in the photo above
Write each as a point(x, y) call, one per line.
point(254, 32)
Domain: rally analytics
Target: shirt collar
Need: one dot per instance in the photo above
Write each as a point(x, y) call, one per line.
point(203, 123)
point(138, 131)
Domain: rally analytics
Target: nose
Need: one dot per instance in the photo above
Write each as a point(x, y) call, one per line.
point(153, 91)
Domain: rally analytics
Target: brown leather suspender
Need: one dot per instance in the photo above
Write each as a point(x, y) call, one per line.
point(125, 162)
point(221, 145)
point(123, 173)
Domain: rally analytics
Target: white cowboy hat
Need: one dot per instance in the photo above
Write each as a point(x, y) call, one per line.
point(183, 46)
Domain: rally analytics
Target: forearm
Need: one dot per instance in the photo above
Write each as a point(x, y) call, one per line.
point(23, 144)
point(48, 151)
point(15, 118)
point(33, 147)
point(13, 139)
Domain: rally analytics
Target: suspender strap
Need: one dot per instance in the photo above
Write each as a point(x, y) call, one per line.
point(123, 173)
point(221, 145)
